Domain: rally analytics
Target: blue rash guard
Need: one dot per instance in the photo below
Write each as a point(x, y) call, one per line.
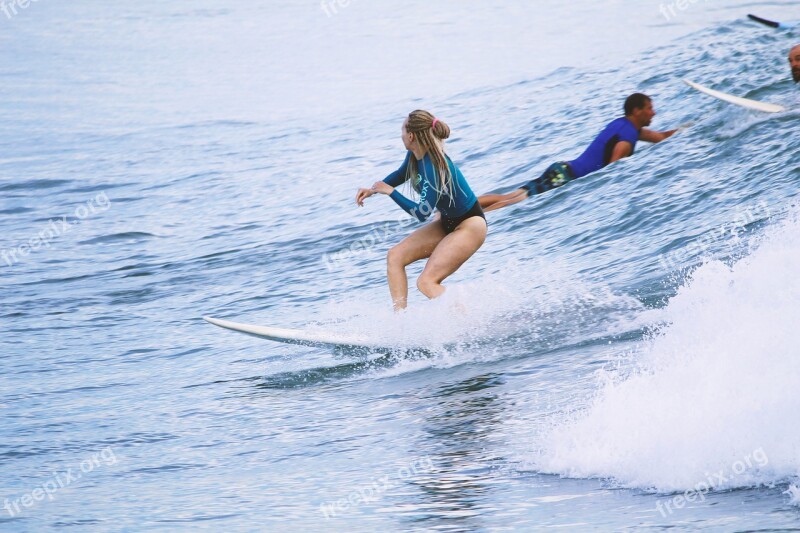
point(598, 154)
point(428, 178)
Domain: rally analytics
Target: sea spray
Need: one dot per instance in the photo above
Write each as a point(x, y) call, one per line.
point(717, 384)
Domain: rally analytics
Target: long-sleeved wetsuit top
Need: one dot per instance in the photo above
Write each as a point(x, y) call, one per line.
point(463, 197)
point(598, 154)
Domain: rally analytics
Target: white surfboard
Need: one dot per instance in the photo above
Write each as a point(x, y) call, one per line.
point(309, 338)
point(736, 100)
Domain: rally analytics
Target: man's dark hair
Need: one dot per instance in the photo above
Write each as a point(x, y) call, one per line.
point(635, 101)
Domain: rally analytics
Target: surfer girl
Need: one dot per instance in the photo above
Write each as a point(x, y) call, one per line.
point(450, 239)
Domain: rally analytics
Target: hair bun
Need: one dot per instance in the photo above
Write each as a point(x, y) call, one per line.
point(440, 129)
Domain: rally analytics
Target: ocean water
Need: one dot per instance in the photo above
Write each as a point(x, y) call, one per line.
point(620, 355)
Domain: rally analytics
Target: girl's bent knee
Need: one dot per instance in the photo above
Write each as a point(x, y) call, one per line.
point(394, 257)
point(426, 286)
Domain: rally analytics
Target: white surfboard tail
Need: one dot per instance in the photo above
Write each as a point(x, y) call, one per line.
point(737, 100)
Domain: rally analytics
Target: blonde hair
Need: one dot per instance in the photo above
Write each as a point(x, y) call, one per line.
point(430, 133)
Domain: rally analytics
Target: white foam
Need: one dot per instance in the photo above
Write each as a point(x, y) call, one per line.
point(715, 391)
point(794, 493)
point(517, 305)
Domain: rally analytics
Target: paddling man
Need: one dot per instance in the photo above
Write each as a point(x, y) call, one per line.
point(794, 62)
point(616, 141)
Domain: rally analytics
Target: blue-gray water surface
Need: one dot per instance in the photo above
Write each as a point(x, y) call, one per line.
point(621, 354)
